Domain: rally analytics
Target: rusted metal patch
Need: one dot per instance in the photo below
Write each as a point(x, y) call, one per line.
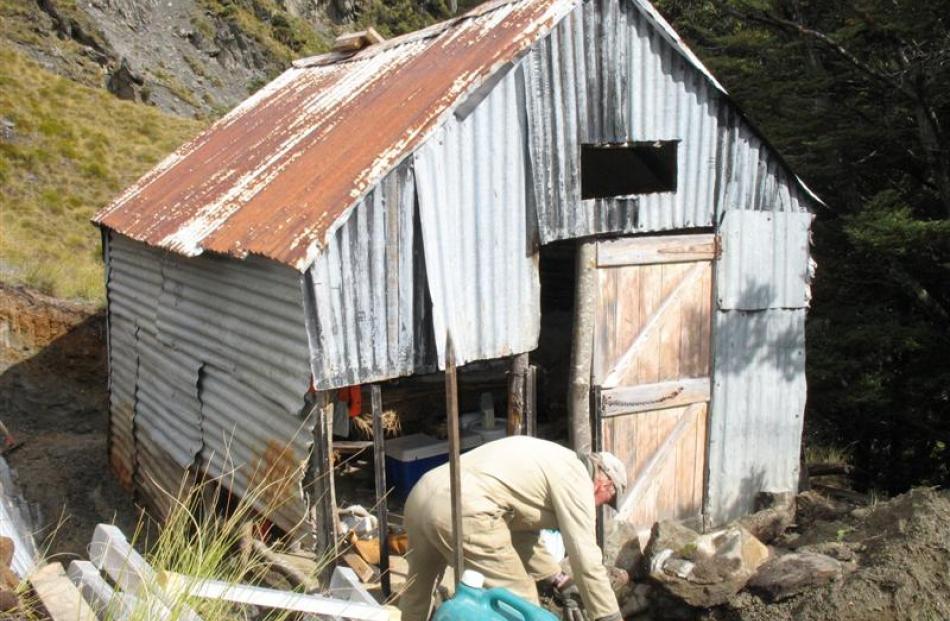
point(271, 177)
point(277, 477)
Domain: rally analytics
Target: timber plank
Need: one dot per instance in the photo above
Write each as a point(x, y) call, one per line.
point(656, 250)
point(59, 595)
point(659, 395)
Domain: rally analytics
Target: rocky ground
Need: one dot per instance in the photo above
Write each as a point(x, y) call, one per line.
point(187, 57)
point(826, 559)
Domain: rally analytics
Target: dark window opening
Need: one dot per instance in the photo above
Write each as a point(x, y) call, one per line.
point(628, 168)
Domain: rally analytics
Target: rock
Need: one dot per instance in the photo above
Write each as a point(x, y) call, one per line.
point(7, 130)
point(622, 549)
point(6, 551)
point(836, 550)
point(670, 536)
point(124, 83)
point(8, 600)
point(812, 507)
point(784, 576)
point(703, 570)
point(775, 513)
point(635, 600)
point(8, 579)
point(619, 579)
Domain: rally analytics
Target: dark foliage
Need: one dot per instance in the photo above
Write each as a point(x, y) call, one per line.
point(856, 94)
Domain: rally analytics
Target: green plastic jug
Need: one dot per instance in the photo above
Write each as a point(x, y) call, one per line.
point(474, 603)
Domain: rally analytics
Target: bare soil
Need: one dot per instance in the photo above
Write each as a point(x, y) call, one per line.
point(902, 551)
point(55, 404)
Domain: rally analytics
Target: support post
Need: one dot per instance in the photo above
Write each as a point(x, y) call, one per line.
point(582, 346)
point(382, 509)
point(516, 394)
point(319, 483)
point(455, 478)
point(596, 405)
point(531, 401)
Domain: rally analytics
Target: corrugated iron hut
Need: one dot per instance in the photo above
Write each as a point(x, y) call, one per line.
point(533, 175)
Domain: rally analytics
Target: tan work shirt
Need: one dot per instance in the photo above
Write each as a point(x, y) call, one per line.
point(534, 484)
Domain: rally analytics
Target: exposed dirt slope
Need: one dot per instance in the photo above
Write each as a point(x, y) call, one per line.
point(54, 401)
point(902, 548)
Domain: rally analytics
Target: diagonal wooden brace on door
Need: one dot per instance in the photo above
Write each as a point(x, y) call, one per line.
point(618, 371)
point(648, 474)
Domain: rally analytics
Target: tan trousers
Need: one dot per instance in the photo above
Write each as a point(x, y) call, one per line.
point(513, 560)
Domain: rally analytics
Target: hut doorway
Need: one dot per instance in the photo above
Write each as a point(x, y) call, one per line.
point(651, 369)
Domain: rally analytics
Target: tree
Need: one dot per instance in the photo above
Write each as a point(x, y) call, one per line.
point(856, 94)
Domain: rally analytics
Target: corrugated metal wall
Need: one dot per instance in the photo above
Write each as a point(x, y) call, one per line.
point(764, 260)
point(367, 310)
point(180, 330)
point(763, 288)
point(481, 267)
point(608, 74)
point(254, 444)
point(605, 75)
point(758, 405)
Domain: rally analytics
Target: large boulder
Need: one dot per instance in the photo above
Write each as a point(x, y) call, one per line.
point(774, 514)
point(703, 570)
point(622, 548)
point(784, 576)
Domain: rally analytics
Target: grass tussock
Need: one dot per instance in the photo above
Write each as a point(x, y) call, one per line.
point(67, 151)
point(206, 534)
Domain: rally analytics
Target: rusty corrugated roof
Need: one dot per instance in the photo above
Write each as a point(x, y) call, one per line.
point(273, 175)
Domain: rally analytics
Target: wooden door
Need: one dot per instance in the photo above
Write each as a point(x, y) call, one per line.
point(651, 369)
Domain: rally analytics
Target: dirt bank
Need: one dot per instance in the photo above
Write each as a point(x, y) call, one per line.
point(902, 549)
point(55, 403)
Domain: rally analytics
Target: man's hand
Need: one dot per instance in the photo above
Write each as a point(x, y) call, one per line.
point(572, 611)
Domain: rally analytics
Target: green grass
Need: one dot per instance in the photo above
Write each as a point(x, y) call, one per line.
point(24, 25)
point(74, 148)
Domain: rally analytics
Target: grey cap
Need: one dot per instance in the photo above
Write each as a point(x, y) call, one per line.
point(610, 465)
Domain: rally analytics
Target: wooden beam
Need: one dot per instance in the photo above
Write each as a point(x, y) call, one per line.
point(455, 475)
point(582, 346)
point(355, 41)
point(531, 401)
point(59, 595)
point(648, 474)
point(516, 394)
point(271, 598)
point(379, 461)
point(319, 483)
point(653, 250)
point(111, 552)
point(596, 410)
point(676, 393)
point(615, 375)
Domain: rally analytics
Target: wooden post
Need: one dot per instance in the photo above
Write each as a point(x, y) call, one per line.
point(531, 401)
point(516, 394)
point(455, 476)
point(382, 510)
point(319, 483)
point(582, 346)
point(596, 405)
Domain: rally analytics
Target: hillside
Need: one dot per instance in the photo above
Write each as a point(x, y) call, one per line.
point(93, 93)
point(65, 150)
